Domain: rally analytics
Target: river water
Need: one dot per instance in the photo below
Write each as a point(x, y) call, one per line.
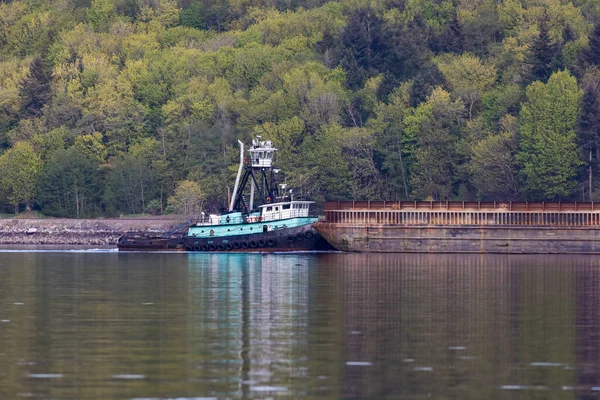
point(108, 325)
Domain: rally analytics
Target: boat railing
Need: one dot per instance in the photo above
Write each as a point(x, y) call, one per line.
point(268, 216)
point(284, 214)
point(206, 221)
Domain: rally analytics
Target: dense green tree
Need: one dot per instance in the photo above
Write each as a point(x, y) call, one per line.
point(323, 173)
point(188, 199)
point(69, 186)
point(19, 170)
point(390, 153)
point(431, 143)
point(206, 14)
point(468, 77)
point(493, 167)
point(547, 148)
point(133, 178)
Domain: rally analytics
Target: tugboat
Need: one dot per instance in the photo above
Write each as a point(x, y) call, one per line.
point(278, 224)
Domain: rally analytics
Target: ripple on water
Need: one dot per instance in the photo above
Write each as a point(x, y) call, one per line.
point(359, 363)
point(45, 376)
point(128, 376)
point(522, 387)
point(175, 398)
point(546, 364)
point(269, 389)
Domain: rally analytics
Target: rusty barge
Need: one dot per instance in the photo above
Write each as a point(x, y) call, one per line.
point(462, 227)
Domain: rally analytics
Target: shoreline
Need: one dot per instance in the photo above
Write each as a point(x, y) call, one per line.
point(65, 231)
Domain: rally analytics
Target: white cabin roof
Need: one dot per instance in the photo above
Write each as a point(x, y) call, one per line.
point(286, 202)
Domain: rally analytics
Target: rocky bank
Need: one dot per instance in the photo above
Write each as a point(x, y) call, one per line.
point(79, 231)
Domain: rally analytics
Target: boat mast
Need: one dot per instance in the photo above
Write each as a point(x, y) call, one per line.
point(259, 171)
point(239, 174)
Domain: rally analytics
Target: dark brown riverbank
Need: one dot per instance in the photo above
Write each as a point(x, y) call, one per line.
point(80, 231)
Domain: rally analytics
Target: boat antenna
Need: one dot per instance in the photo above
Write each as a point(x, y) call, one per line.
point(239, 174)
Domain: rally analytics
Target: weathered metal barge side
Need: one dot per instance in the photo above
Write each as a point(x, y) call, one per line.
point(462, 227)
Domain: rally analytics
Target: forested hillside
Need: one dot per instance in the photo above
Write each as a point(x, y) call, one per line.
point(111, 107)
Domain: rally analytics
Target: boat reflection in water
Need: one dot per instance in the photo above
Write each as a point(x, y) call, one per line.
point(135, 325)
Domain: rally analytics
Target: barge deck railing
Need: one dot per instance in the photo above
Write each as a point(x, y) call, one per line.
point(463, 213)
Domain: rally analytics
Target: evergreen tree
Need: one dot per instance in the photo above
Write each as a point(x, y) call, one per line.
point(453, 39)
point(591, 54)
point(588, 127)
point(364, 47)
point(543, 53)
point(410, 53)
point(36, 88)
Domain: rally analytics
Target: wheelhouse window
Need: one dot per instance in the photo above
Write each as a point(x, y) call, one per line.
point(286, 206)
point(269, 208)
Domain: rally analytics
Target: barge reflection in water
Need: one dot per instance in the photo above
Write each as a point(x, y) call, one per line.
point(122, 326)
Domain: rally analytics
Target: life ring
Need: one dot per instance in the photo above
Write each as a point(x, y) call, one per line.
point(221, 247)
point(271, 242)
point(259, 218)
point(188, 248)
point(212, 247)
point(253, 243)
point(236, 245)
point(204, 247)
point(196, 248)
point(290, 239)
point(228, 247)
point(299, 235)
point(262, 243)
point(308, 234)
point(244, 245)
point(268, 199)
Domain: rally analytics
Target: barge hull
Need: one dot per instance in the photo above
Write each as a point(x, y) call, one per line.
point(392, 238)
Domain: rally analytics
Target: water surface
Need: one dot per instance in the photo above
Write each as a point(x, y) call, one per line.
point(107, 325)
